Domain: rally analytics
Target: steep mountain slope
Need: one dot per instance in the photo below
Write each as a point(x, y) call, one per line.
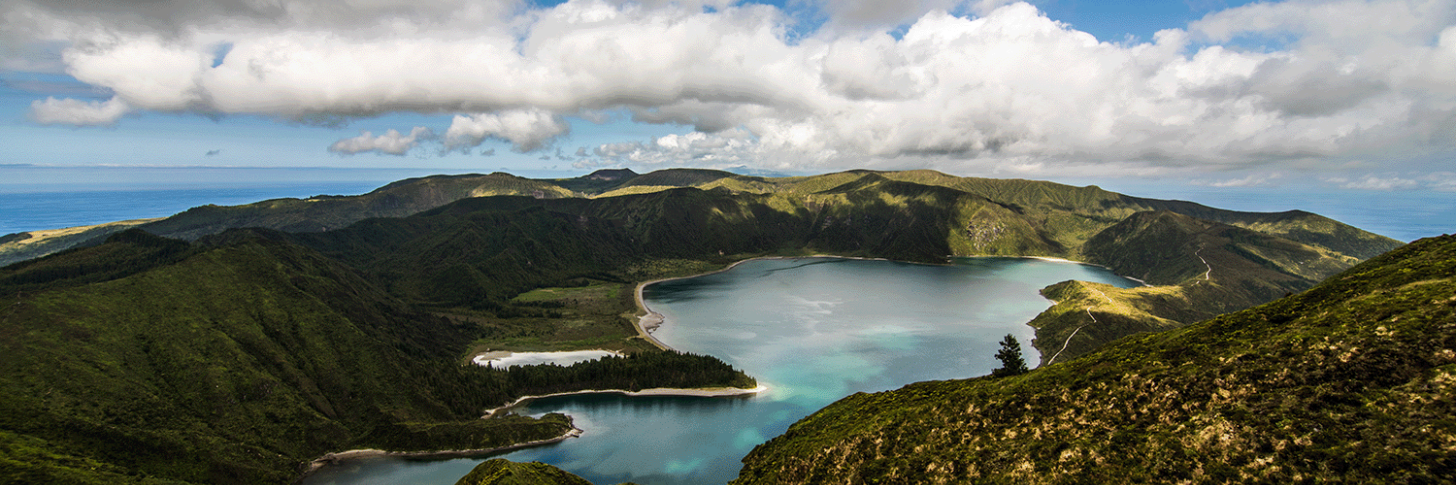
point(1199, 269)
point(322, 213)
point(318, 213)
point(1350, 381)
point(151, 359)
point(21, 246)
point(1006, 217)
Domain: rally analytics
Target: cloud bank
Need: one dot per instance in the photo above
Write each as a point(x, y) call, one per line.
point(974, 86)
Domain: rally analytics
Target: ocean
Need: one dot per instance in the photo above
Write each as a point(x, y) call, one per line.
point(51, 197)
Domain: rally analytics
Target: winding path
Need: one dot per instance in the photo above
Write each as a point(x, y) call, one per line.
point(1069, 337)
point(1074, 332)
point(1207, 275)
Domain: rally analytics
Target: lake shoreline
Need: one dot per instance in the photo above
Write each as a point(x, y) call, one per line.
point(648, 320)
point(336, 458)
point(657, 391)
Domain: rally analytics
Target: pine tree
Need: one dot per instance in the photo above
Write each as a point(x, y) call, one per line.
point(1010, 356)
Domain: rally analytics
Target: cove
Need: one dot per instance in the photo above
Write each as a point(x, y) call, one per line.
point(813, 330)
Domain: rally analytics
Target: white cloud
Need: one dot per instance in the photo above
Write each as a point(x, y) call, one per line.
point(1252, 180)
point(723, 149)
point(1372, 182)
point(884, 13)
point(75, 112)
point(527, 130)
point(392, 142)
point(1004, 91)
point(1443, 181)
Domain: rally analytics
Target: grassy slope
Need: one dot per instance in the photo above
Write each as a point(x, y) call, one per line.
point(33, 244)
point(397, 199)
point(1199, 269)
point(229, 364)
point(504, 472)
point(1350, 381)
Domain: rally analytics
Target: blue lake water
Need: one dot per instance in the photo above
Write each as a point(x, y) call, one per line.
point(813, 330)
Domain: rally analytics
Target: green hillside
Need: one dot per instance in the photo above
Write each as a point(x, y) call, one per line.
point(999, 216)
point(1198, 268)
point(322, 213)
point(1351, 381)
point(504, 472)
point(238, 359)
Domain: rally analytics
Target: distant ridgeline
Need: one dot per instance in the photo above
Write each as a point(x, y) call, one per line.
point(192, 349)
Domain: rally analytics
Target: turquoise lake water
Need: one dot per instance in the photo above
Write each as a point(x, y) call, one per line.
point(813, 330)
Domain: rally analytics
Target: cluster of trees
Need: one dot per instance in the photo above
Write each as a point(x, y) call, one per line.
point(634, 372)
point(479, 387)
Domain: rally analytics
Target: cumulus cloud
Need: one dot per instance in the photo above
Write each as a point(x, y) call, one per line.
point(526, 130)
point(1372, 182)
point(881, 13)
point(1252, 180)
point(728, 148)
point(392, 142)
point(75, 112)
point(983, 86)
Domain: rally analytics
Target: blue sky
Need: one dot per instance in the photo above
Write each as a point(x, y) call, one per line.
point(1329, 95)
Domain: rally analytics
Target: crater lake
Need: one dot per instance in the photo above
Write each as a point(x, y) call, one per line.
point(813, 330)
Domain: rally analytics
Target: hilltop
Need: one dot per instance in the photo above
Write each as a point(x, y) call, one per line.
point(1349, 381)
